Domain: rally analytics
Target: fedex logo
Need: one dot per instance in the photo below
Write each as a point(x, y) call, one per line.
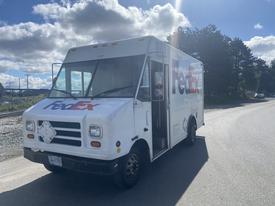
point(184, 82)
point(81, 105)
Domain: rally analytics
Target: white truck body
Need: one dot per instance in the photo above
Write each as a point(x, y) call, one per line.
point(160, 119)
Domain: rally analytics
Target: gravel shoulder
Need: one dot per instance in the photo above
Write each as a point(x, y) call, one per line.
point(11, 137)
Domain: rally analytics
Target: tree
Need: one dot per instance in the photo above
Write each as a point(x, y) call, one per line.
point(272, 74)
point(267, 78)
point(262, 75)
point(243, 73)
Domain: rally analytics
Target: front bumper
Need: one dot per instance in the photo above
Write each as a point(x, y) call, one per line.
point(81, 164)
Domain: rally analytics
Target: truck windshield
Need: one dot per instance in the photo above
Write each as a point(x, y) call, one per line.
point(115, 77)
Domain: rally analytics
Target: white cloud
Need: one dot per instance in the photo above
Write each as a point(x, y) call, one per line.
point(107, 20)
point(263, 47)
point(32, 47)
point(258, 26)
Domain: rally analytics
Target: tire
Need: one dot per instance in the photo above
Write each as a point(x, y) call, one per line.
point(129, 171)
point(192, 133)
point(54, 169)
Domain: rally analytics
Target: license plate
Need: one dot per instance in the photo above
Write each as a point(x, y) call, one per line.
point(54, 160)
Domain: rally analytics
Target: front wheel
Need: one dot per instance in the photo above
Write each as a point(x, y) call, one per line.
point(129, 172)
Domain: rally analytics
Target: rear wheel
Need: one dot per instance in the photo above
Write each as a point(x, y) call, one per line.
point(130, 168)
point(192, 133)
point(54, 169)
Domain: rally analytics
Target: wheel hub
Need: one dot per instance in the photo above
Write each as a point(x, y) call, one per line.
point(132, 165)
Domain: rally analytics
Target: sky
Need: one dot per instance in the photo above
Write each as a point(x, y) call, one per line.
point(36, 33)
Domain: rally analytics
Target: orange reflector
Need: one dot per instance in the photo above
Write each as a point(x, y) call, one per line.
point(30, 136)
point(95, 144)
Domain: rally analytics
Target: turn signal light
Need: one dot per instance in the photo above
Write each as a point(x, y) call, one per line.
point(95, 144)
point(30, 136)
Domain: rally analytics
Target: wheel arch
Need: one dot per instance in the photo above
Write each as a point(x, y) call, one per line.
point(143, 146)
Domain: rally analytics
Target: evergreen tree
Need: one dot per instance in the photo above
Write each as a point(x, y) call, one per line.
point(243, 74)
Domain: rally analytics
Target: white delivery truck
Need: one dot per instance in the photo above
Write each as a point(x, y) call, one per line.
point(115, 106)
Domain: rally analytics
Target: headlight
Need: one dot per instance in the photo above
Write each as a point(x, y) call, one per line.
point(95, 131)
point(30, 126)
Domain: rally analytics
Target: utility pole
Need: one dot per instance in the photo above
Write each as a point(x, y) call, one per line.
point(27, 80)
point(19, 85)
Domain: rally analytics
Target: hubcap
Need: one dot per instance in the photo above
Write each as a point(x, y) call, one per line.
point(132, 165)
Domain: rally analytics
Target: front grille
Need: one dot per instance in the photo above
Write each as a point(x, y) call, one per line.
point(67, 133)
point(68, 125)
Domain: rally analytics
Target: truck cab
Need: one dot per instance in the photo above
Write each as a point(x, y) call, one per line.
point(114, 107)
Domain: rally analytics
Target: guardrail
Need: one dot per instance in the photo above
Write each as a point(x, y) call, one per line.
point(11, 114)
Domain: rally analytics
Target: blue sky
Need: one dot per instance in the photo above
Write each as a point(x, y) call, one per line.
point(235, 18)
point(35, 33)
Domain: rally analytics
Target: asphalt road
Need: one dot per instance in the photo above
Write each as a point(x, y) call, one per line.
point(233, 163)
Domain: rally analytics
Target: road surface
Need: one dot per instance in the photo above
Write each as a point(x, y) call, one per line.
point(233, 163)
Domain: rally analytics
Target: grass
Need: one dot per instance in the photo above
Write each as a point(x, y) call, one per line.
point(19, 103)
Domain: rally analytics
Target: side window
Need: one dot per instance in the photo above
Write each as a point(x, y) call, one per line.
point(158, 91)
point(144, 89)
point(158, 84)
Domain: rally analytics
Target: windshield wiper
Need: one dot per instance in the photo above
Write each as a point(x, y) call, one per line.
point(110, 91)
point(65, 92)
